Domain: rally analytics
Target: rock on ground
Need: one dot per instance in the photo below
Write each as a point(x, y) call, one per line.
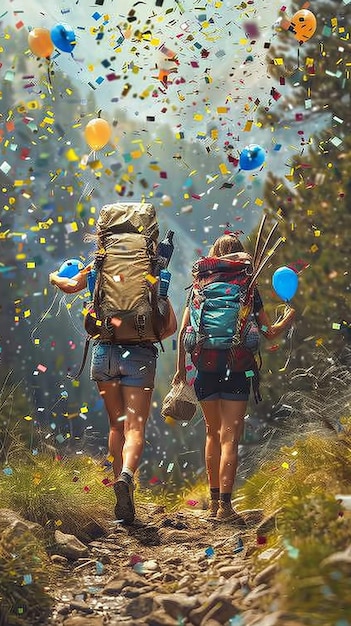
point(169, 570)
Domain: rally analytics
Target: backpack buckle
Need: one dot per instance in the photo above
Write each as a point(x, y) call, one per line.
point(140, 323)
point(108, 326)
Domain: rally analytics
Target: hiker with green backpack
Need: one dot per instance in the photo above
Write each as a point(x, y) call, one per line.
point(129, 315)
point(220, 329)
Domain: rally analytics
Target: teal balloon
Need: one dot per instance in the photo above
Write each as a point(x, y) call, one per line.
point(285, 282)
point(252, 157)
point(63, 37)
point(70, 268)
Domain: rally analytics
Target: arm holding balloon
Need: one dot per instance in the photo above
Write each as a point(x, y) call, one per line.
point(285, 282)
point(269, 330)
point(70, 285)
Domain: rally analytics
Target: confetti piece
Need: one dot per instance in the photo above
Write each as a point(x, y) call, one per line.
point(27, 579)
point(41, 368)
point(209, 552)
point(239, 547)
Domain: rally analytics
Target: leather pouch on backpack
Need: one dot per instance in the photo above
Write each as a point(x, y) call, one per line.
point(209, 360)
point(241, 359)
point(212, 360)
point(94, 327)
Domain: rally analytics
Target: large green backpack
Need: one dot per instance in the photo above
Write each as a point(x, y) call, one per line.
point(125, 302)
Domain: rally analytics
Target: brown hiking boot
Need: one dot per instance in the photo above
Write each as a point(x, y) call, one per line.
point(212, 509)
point(226, 513)
point(124, 509)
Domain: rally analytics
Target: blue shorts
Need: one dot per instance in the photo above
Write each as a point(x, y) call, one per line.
point(132, 365)
point(213, 385)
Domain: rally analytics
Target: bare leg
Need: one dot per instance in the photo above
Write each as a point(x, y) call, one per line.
point(232, 414)
point(211, 411)
point(111, 393)
point(136, 402)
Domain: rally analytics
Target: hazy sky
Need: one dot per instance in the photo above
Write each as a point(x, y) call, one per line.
point(212, 51)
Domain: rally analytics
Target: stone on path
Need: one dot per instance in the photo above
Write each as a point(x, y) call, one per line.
point(18, 525)
point(140, 607)
point(218, 607)
point(114, 587)
point(77, 620)
point(177, 605)
point(81, 606)
point(69, 546)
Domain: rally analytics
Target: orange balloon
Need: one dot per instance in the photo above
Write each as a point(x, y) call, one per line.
point(97, 133)
point(303, 25)
point(40, 43)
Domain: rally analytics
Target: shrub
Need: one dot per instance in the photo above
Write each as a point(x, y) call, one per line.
point(23, 578)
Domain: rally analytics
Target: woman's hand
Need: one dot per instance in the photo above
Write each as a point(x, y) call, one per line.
point(69, 285)
point(270, 331)
point(179, 377)
point(52, 277)
point(289, 313)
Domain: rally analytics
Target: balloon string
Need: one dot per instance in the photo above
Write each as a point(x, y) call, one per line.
point(298, 59)
point(61, 304)
point(290, 336)
point(50, 65)
point(86, 187)
point(44, 315)
point(76, 328)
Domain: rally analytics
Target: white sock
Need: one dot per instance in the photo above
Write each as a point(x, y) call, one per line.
point(126, 470)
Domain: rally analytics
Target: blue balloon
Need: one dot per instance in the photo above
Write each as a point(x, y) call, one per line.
point(63, 37)
point(70, 268)
point(252, 157)
point(285, 282)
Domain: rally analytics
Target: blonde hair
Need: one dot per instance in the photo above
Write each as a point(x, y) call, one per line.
point(226, 244)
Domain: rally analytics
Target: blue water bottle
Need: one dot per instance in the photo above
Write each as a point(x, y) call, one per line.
point(165, 277)
point(91, 280)
point(165, 249)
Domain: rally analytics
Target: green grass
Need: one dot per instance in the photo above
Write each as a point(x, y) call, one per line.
point(64, 494)
point(314, 464)
point(302, 480)
point(24, 576)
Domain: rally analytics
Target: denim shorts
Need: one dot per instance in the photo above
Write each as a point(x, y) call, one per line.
point(133, 365)
point(214, 385)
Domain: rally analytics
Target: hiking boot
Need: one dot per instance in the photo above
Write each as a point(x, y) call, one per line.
point(226, 513)
point(124, 509)
point(213, 508)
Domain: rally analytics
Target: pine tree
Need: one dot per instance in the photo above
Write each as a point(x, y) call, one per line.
point(313, 200)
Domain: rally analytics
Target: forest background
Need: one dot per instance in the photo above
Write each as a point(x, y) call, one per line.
point(186, 161)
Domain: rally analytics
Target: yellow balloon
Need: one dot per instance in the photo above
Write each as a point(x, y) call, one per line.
point(97, 133)
point(303, 25)
point(40, 43)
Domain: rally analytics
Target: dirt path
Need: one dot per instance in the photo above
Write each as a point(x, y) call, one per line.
point(171, 570)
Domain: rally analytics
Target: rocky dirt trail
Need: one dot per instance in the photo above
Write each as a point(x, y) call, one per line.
point(168, 570)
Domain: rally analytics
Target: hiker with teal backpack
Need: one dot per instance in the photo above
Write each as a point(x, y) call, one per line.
point(129, 315)
point(222, 321)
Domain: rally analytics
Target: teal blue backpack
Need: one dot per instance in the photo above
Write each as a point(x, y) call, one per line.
point(223, 335)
